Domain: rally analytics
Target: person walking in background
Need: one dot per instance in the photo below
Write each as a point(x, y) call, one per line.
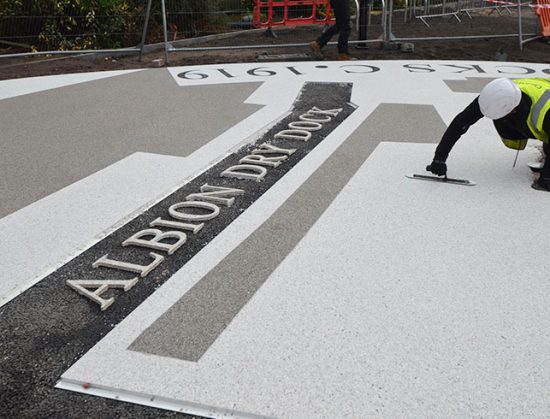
point(342, 27)
point(519, 110)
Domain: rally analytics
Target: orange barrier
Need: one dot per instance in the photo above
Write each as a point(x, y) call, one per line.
point(543, 11)
point(268, 13)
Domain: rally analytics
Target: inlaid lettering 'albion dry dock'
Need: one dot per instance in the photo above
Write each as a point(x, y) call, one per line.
point(201, 207)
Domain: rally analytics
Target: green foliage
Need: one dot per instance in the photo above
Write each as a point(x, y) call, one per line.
point(67, 24)
point(321, 12)
point(9, 7)
point(248, 5)
point(187, 18)
point(399, 4)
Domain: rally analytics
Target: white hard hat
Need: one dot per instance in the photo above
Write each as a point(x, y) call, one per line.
point(499, 98)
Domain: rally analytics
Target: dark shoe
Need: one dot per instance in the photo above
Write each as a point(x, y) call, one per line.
point(543, 184)
point(344, 56)
point(316, 50)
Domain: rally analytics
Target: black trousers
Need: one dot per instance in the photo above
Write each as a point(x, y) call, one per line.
point(342, 26)
point(545, 172)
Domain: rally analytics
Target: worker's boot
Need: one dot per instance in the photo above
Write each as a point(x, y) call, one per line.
point(344, 56)
point(316, 50)
point(542, 184)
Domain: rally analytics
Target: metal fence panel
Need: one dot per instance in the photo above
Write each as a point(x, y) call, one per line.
point(64, 29)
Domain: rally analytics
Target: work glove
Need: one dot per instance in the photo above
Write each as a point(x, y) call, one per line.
point(437, 167)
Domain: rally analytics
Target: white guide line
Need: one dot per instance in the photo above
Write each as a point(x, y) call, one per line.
point(19, 87)
point(150, 400)
point(464, 182)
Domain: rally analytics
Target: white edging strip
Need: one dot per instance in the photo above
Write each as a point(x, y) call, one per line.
point(152, 400)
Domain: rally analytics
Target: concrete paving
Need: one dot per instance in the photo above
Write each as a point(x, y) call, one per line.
point(340, 288)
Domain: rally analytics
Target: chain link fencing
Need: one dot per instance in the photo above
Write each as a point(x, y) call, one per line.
point(459, 19)
point(174, 23)
point(37, 26)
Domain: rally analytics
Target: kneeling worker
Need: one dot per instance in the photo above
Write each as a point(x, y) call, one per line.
point(519, 110)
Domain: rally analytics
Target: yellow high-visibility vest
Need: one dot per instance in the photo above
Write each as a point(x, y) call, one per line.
point(538, 89)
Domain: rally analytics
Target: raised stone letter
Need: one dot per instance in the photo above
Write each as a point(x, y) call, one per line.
point(215, 194)
point(294, 134)
point(104, 261)
point(155, 241)
point(266, 148)
point(310, 117)
point(183, 216)
point(262, 160)
point(83, 286)
point(242, 171)
point(332, 112)
point(159, 222)
point(306, 125)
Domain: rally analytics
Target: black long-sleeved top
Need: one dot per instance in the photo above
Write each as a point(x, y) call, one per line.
point(512, 127)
